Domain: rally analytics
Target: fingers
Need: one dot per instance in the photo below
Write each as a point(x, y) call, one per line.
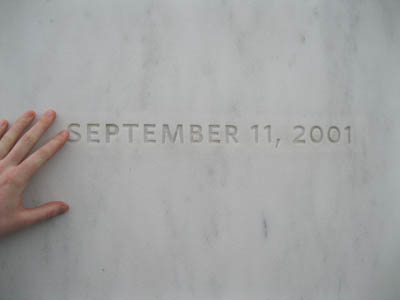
point(32, 164)
point(26, 217)
point(3, 127)
point(30, 216)
point(30, 138)
point(13, 134)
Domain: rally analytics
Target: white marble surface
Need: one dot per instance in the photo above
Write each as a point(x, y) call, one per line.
point(207, 220)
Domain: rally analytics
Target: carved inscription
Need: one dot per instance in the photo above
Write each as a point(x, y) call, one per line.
point(152, 133)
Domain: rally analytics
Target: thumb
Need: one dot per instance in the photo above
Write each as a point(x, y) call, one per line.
point(43, 212)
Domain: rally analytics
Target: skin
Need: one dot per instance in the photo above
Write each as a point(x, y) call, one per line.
point(17, 168)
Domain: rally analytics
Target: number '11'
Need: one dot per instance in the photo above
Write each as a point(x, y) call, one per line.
point(256, 133)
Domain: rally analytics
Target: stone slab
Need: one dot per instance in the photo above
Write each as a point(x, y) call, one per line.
point(219, 149)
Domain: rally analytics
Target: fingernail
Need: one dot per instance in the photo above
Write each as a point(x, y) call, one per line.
point(65, 133)
point(29, 114)
point(64, 208)
point(3, 124)
point(50, 113)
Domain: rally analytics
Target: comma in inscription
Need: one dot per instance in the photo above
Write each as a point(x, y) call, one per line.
point(195, 133)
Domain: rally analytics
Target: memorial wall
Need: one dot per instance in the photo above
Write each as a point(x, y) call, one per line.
point(218, 149)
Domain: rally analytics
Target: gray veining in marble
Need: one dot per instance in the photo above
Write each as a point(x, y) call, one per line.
point(277, 219)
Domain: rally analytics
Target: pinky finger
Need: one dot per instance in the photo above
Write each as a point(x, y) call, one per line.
point(3, 127)
point(33, 163)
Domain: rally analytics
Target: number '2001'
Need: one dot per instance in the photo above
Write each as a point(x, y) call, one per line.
point(317, 134)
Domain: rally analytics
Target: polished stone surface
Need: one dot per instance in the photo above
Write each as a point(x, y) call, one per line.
point(196, 167)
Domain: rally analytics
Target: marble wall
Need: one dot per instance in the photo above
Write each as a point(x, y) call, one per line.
point(219, 149)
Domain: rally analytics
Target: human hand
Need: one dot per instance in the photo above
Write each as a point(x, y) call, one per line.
point(17, 168)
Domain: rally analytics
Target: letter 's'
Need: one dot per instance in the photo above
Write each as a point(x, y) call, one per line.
point(77, 135)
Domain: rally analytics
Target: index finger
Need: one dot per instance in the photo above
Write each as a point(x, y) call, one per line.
point(33, 163)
